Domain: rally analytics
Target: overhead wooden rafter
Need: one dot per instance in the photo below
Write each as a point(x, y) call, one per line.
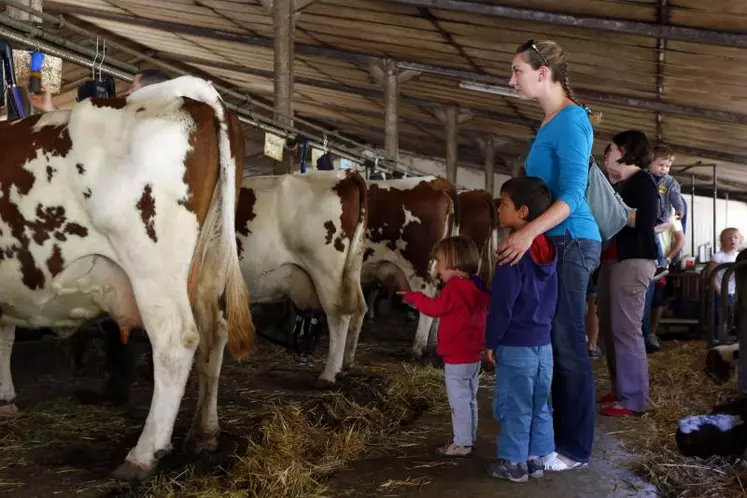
point(590, 95)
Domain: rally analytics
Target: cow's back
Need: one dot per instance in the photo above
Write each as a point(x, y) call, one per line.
point(307, 221)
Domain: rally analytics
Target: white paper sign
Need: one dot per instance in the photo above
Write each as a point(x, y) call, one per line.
point(315, 155)
point(274, 146)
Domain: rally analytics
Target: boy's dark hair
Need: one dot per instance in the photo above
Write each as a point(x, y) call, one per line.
point(528, 191)
point(457, 253)
point(152, 76)
point(635, 147)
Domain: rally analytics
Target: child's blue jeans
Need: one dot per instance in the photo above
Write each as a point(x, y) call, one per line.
point(522, 402)
point(659, 252)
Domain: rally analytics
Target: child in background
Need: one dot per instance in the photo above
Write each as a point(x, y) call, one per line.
point(670, 196)
point(522, 306)
point(461, 307)
point(731, 243)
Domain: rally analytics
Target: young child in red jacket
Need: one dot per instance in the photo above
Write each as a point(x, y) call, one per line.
point(462, 309)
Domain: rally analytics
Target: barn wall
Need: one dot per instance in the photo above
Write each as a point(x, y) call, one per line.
point(728, 214)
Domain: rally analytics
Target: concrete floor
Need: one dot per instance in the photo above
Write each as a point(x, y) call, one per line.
point(606, 476)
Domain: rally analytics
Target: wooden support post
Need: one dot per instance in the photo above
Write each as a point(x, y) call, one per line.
point(283, 23)
point(517, 170)
point(489, 146)
point(390, 77)
point(451, 117)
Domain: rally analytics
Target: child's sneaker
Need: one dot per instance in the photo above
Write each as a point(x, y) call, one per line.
point(503, 469)
point(536, 468)
point(455, 450)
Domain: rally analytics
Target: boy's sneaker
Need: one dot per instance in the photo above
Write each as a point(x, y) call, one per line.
point(595, 353)
point(503, 469)
point(455, 450)
point(536, 468)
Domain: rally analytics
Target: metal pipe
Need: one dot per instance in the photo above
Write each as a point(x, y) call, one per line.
point(725, 308)
point(113, 45)
point(715, 198)
point(62, 54)
point(247, 117)
point(42, 35)
point(692, 213)
point(707, 301)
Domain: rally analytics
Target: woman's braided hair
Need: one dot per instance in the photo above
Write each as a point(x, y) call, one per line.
point(548, 53)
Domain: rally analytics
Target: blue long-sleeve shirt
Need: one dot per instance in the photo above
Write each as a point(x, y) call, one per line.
point(560, 156)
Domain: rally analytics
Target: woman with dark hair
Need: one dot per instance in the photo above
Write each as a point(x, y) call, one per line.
point(627, 269)
point(559, 155)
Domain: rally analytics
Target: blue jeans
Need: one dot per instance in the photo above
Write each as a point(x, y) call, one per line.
point(659, 252)
point(573, 397)
point(522, 402)
point(461, 388)
point(646, 325)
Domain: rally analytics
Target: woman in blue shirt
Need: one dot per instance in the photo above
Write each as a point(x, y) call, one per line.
point(560, 156)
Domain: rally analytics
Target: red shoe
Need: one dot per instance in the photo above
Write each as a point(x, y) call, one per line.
point(609, 398)
point(617, 411)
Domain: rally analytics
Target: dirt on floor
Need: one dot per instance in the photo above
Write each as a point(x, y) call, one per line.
point(58, 447)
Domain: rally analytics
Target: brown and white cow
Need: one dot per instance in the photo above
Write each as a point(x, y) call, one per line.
point(128, 208)
point(479, 222)
point(406, 218)
point(302, 236)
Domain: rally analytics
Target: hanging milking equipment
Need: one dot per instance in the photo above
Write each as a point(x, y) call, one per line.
point(15, 103)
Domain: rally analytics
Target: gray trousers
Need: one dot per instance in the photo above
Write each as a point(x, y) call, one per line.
point(621, 297)
point(461, 387)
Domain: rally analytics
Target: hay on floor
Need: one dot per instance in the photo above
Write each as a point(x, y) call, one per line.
point(300, 445)
point(680, 388)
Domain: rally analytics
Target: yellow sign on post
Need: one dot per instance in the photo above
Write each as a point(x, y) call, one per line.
point(274, 146)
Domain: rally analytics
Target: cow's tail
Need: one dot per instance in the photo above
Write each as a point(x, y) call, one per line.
point(491, 246)
point(441, 183)
point(456, 226)
point(354, 299)
point(219, 232)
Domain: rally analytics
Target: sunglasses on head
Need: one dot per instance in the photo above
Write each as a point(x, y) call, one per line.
point(531, 45)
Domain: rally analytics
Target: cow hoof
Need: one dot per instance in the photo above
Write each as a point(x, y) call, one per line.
point(324, 383)
point(130, 472)
point(9, 409)
point(198, 444)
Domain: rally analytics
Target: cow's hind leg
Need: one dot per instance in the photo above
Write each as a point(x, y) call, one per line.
point(7, 391)
point(205, 429)
point(354, 330)
point(338, 329)
point(174, 337)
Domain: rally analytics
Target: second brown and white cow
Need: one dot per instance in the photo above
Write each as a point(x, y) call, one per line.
point(302, 236)
point(479, 221)
point(407, 217)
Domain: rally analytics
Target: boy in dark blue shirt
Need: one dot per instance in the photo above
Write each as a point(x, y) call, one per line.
point(522, 306)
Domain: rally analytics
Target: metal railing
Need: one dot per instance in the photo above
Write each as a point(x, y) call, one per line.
point(715, 333)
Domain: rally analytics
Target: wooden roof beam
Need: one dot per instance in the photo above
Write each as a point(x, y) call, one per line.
point(653, 30)
point(415, 101)
point(586, 95)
